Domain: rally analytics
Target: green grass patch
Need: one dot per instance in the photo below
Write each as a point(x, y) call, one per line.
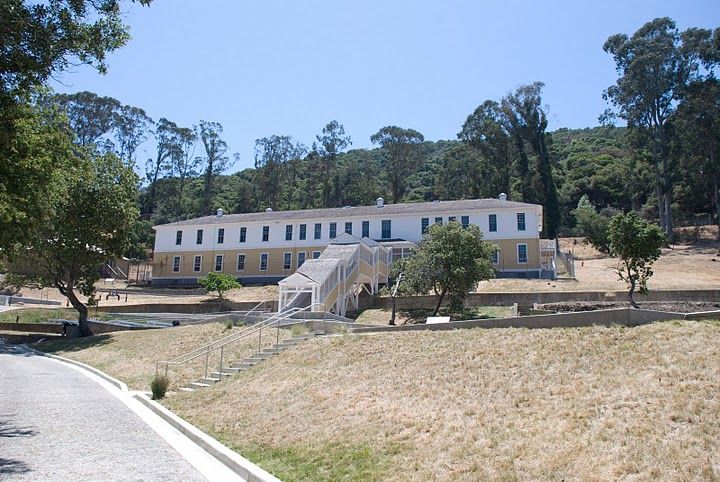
point(333, 462)
point(37, 315)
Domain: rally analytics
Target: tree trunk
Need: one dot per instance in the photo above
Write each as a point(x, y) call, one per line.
point(667, 199)
point(717, 205)
point(392, 316)
point(630, 295)
point(82, 311)
point(440, 300)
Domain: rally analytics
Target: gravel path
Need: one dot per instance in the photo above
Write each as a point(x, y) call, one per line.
point(57, 424)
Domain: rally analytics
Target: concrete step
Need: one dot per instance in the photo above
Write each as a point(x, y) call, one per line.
point(218, 374)
point(263, 355)
point(186, 389)
point(230, 370)
point(244, 364)
point(196, 385)
point(211, 380)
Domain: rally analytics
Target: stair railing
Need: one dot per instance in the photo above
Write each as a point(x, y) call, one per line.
point(220, 344)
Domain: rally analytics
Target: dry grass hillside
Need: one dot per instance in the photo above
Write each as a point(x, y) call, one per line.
point(509, 404)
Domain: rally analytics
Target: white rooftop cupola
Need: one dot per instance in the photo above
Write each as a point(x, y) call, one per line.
point(268, 210)
point(219, 213)
point(502, 196)
point(380, 202)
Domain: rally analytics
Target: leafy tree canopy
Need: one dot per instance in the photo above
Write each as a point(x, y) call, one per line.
point(220, 283)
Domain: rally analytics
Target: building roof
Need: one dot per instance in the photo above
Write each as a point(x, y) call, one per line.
point(456, 207)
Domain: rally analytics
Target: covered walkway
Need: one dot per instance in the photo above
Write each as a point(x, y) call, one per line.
point(334, 281)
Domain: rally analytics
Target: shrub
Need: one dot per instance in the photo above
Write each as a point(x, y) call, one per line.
point(159, 386)
point(219, 282)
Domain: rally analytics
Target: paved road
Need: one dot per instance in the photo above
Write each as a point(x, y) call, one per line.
point(58, 424)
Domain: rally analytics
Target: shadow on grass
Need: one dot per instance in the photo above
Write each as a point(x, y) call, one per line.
point(10, 466)
point(72, 344)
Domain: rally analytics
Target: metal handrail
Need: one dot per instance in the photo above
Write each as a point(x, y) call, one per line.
point(221, 343)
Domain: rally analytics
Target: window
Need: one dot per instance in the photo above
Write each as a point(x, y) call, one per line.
point(176, 264)
point(178, 238)
point(333, 230)
point(451, 218)
point(521, 221)
point(199, 236)
point(197, 264)
point(288, 232)
point(348, 227)
point(438, 220)
point(318, 230)
point(243, 234)
point(266, 233)
point(316, 254)
point(495, 256)
point(263, 262)
point(218, 262)
point(465, 221)
point(241, 262)
point(522, 253)
point(492, 223)
point(287, 260)
point(301, 258)
point(221, 235)
point(386, 232)
point(303, 232)
point(424, 223)
point(366, 229)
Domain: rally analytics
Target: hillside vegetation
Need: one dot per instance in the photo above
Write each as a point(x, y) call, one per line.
point(562, 404)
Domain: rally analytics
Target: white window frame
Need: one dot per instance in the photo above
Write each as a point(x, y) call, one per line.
point(243, 234)
point(237, 264)
point(287, 260)
point(303, 255)
point(220, 235)
point(495, 258)
point(199, 236)
point(176, 266)
point(199, 267)
point(526, 253)
point(267, 261)
point(490, 224)
point(524, 222)
point(222, 262)
point(178, 237)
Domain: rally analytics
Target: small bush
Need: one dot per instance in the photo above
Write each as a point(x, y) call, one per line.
point(220, 283)
point(159, 386)
point(298, 330)
point(228, 325)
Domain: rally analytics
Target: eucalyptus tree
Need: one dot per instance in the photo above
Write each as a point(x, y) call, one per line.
point(655, 66)
point(272, 155)
point(183, 164)
point(159, 166)
point(131, 126)
point(403, 156)
point(91, 116)
point(331, 143)
point(215, 160)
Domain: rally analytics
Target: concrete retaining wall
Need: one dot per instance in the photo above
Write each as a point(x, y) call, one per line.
point(506, 299)
point(619, 316)
point(191, 308)
point(14, 300)
point(56, 328)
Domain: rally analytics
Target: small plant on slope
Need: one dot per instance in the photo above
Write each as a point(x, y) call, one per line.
point(219, 282)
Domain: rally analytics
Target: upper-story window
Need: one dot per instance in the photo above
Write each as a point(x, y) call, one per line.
point(318, 230)
point(452, 218)
point(348, 227)
point(243, 234)
point(266, 233)
point(288, 232)
point(424, 223)
point(221, 236)
point(333, 230)
point(438, 220)
point(366, 229)
point(303, 232)
point(199, 236)
point(492, 223)
point(465, 220)
point(521, 221)
point(316, 254)
point(178, 238)
point(386, 229)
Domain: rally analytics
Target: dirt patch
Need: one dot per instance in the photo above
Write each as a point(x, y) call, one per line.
point(671, 306)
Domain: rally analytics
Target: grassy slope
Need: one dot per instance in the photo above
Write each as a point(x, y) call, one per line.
point(590, 403)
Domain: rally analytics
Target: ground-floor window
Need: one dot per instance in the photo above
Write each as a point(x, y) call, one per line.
point(176, 264)
point(301, 258)
point(263, 262)
point(287, 260)
point(241, 262)
point(316, 254)
point(197, 264)
point(218, 262)
point(522, 253)
point(495, 256)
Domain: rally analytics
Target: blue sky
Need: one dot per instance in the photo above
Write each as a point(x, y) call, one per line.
point(288, 68)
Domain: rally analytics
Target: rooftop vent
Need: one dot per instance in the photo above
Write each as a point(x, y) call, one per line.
point(219, 213)
point(502, 196)
point(268, 210)
point(380, 202)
